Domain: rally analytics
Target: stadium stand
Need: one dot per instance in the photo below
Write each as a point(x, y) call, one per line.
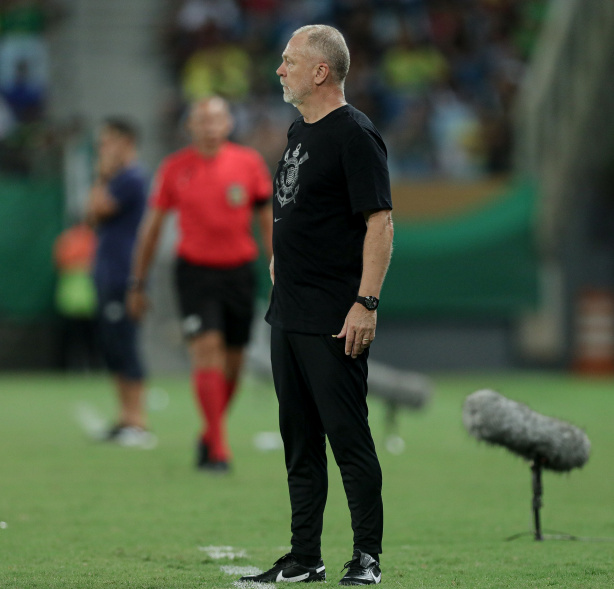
point(437, 76)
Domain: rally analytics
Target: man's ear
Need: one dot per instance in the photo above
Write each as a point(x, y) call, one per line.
point(322, 73)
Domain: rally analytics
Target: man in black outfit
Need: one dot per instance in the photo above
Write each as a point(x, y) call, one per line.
point(332, 240)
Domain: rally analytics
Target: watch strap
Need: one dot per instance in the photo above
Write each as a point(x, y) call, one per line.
point(369, 302)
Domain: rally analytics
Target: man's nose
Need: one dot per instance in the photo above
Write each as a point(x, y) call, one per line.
point(279, 71)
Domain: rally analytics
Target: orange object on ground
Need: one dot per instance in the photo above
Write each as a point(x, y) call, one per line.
point(594, 333)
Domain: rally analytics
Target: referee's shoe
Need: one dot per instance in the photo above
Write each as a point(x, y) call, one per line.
point(363, 569)
point(287, 569)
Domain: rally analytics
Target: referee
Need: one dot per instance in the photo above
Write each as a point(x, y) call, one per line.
point(215, 186)
point(332, 240)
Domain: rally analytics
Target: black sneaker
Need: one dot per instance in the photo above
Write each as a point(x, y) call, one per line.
point(362, 570)
point(288, 569)
point(215, 466)
point(202, 453)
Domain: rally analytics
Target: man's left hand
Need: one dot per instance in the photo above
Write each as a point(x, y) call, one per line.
point(358, 330)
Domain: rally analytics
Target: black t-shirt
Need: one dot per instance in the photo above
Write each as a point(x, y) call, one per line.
point(330, 173)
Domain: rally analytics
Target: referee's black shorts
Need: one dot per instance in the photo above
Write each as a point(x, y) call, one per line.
point(216, 299)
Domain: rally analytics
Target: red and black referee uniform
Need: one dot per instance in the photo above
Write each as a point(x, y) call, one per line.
point(215, 198)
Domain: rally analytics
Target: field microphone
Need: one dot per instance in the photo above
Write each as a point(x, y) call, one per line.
point(552, 444)
point(399, 387)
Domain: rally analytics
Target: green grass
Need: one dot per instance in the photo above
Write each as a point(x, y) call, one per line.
point(80, 514)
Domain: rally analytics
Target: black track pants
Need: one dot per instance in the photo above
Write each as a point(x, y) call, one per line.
point(322, 393)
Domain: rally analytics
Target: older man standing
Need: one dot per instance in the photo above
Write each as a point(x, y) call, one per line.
point(332, 240)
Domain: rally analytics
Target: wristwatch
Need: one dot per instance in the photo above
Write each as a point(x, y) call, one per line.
point(370, 303)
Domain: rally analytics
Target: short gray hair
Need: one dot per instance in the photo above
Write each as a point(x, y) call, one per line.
point(329, 42)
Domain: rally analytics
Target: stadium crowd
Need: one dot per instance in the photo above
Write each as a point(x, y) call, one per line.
point(438, 77)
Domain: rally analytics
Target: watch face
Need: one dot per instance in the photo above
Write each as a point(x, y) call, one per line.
point(371, 303)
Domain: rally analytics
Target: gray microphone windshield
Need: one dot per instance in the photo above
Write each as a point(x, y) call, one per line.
point(554, 444)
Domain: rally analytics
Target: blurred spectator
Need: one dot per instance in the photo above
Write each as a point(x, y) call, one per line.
point(25, 95)
point(496, 138)
point(411, 67)
point(455, 129)
point(76, 298)
point(220, 68)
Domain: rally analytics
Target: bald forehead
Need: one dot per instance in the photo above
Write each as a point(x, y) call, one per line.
point(299, 45)
point(213, 106)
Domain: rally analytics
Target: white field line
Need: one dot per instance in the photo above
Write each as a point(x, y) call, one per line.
point(252, 585)
point(234, 570)
point(218, 552)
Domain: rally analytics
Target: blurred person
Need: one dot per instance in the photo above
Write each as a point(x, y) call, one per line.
point(25, 96)
point(456, 133)
point(413, 68)
point(116, 205)
point(332, 240)
point(75, 297)
point(215, 185)
point(222, 67)
point(496, 136)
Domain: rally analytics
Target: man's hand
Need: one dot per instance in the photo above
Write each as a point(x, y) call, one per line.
point(137, 303)
point(101, 204)
point(358, 330)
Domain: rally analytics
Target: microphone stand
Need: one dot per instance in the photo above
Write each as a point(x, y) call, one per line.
point(538, 491)
point(536, 505)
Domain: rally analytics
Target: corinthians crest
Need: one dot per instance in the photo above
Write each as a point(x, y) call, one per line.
point(287, 184)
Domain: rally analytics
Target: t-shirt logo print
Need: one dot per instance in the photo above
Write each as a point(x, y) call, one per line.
point(287, 184)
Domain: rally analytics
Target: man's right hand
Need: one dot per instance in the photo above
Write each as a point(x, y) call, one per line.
point(137, 303)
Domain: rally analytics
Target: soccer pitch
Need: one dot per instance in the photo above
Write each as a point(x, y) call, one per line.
point(79, 514)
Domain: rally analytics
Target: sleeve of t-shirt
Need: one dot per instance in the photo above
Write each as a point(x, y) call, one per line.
point(162, 193)
point(262, 182)
point(366, 170)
